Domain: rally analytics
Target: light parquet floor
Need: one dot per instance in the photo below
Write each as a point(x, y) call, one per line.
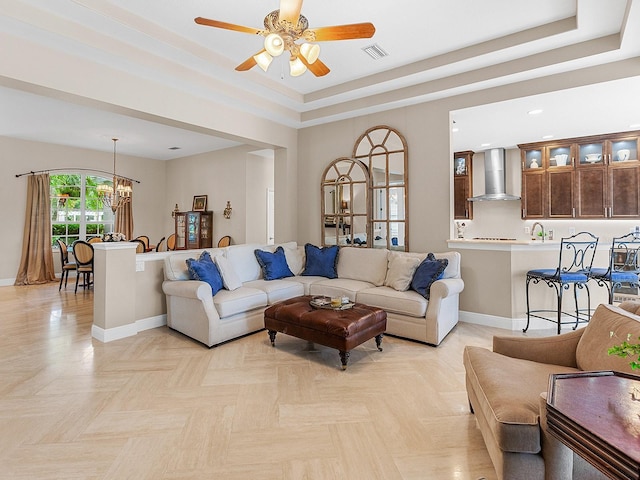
point(161, 406)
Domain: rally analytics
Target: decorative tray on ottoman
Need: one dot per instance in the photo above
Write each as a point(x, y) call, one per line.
point(325, 302)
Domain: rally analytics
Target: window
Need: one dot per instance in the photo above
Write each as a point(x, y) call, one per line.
point(76, 210)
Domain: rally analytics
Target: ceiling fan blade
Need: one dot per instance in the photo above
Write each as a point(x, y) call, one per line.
point(343, 32)
point(249, 63)
point(318, 68)
point(290, 10)
point(227, 26)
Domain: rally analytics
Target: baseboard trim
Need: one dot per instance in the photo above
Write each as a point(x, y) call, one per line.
point(111, 334)
point(513, 324)
point(7, 282)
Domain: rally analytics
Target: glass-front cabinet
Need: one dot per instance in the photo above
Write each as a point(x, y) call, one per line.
point(193, 230)
point(587, 177)
point(462, 185)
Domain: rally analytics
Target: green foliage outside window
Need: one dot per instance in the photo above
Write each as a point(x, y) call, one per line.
point(76, 209)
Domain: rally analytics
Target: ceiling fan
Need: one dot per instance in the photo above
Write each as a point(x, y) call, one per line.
point(285, 26)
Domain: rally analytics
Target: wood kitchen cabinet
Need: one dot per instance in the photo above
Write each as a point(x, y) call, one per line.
point(193, 230)
point(587, 177)
point(462, 185)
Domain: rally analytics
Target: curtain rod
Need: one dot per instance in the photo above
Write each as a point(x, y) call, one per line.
point(73, 169)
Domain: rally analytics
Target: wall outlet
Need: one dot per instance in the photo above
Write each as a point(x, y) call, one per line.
point(572, 231)
point(527, 230)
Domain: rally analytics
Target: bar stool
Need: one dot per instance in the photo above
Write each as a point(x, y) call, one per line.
point(623, 265)
point(574, 266)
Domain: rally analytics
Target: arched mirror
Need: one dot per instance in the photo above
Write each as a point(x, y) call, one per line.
point(345, 204)
point(384, 152)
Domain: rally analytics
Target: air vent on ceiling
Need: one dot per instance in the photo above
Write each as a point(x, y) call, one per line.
point(175, 148)
point(375, 51)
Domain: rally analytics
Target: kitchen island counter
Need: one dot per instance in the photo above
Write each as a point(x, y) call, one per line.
point(494, 274)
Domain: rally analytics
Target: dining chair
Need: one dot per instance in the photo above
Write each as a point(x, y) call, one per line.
point(65, 263)
point(171, 242)
point(623, 265)
point(140, 245)
point(83, 251)
point(574, 267)
point(145, 240)
point(224, 241)
point(161, 246)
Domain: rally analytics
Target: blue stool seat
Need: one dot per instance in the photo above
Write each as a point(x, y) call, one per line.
point(574, 268)
point(623, 265)
point(564, 277)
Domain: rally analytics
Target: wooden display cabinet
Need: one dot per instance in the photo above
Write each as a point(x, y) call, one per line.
point(587, 177)
point(194, 230)
point(462, 185)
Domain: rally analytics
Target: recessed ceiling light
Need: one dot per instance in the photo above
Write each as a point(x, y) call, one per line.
point(454, 130)
point(537, 111)
point(485, 145)
point(634, 125)
point(547, 137)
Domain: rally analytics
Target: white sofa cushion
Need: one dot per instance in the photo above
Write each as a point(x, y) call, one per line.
point(228, 273)
point(307, 281)
point(278, 290)
point(366, 264)
point(453, 267)
point(405, 303)
point(244, 261)
point(243, 299)
point(400, 271)
point(338, 287)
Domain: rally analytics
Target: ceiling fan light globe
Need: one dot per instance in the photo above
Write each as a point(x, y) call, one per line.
point(296, 67)
point(274, 44)
point(310, 52)
point(263, 60)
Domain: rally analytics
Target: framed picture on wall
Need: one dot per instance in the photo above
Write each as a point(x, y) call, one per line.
point(199, 203)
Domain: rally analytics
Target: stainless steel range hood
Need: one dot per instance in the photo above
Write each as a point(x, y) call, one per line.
point(494, 177)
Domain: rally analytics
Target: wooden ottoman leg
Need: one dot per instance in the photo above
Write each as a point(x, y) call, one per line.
point(272, 337)
point(344, 358)
point(379, 342)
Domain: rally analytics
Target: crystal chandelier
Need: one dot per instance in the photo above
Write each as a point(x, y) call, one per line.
point(114, 196)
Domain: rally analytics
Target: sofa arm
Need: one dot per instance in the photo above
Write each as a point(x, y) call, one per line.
point(446, 287)
point(556, 350)
point(187, 288)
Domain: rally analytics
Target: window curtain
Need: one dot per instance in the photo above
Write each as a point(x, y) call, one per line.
point(124, 215)
point(36, 263)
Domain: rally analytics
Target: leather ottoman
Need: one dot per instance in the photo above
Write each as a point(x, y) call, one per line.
point(339, 329)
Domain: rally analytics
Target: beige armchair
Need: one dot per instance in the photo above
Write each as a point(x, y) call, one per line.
point(505, 386)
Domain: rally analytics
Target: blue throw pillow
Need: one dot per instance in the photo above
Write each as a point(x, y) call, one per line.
point(274, 265)
point(321, 262)
point(430, 270)
point(205, 270)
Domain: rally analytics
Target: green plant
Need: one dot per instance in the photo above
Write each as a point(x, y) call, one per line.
point(626, 349)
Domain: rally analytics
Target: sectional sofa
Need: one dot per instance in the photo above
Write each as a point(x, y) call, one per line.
point(370, 276)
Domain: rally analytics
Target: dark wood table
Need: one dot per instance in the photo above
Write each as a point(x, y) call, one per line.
point(597, 415)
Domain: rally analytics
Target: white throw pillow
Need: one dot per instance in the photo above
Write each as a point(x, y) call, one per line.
point(230, 278)
point(400, 271)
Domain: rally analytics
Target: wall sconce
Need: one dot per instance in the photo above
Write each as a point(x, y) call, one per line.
point(227, 210)
point(174, 211)
point(344, 205)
